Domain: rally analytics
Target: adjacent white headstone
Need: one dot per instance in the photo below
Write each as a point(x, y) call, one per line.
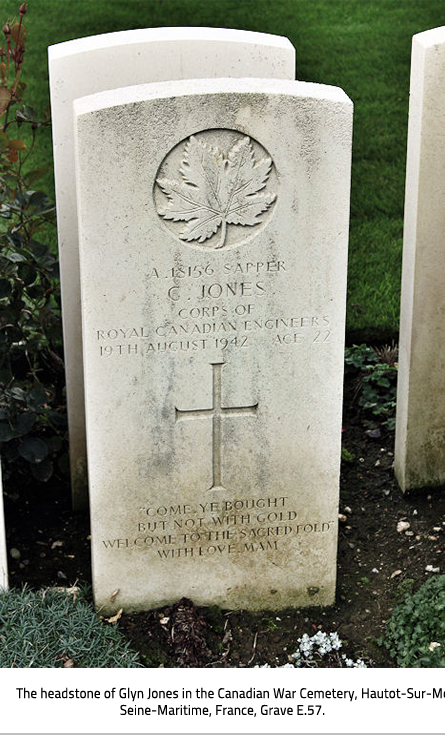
point(97, 63)
point(213, 223)
point(3, 558)
point(420, 424)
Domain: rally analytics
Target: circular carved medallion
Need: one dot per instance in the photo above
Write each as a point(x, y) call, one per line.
point(216, 188)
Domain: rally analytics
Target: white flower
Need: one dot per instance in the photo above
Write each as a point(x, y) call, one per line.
point(322, 644)
point(335, 641)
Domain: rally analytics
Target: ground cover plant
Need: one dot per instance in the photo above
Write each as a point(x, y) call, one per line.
point(362, 47)
point(58, 629)
point(375, 372)
point(415, 633)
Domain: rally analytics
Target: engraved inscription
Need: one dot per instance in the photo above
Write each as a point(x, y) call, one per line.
point(219, 528)
point(204, 312)
point(216, 413)
point(213, 188)
point(193, 336)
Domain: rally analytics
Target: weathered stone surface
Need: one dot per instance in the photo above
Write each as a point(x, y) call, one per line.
point(213, 238)
point(3, 558)
point(97, 63)
point(420, 424)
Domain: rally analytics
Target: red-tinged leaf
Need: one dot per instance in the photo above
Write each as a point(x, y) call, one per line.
point(18, 33)
point(5, 99)
point(36, 174)
point(17, 145)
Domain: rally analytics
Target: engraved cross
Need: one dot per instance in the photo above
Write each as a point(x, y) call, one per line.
point(216, 413)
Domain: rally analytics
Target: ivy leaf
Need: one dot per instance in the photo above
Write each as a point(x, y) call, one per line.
point(33, 449)
point(6, 433)
point(217, 190)
point(24, 422)
point(5, 287)
point(42, 471)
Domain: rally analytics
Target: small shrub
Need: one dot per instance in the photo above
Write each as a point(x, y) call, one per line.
point(415, 633)
point(377, 383)
point(50, 629)
point(32, 407)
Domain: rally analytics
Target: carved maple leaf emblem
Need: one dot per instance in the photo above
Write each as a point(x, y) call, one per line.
point(217, 190)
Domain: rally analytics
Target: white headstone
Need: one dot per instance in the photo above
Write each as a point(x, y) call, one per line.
point(213, 224)
point(90, 65)
point(420, 421)
point(3, 558)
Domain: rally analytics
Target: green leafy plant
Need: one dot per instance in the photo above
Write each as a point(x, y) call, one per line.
point(269, 624)
point(376, 381)
point(32, 415)
point(56, 629)
point(346, 456)
point(415, 632)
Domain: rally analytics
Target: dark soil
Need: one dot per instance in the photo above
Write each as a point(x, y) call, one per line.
point(49, 545)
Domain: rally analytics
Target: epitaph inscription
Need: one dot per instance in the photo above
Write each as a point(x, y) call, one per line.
point(217, 183)
point(226, 527)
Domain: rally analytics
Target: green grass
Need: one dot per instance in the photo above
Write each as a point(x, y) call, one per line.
point(363, 46)
point(46, 629)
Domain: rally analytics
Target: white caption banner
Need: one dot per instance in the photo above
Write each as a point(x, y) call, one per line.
point(151, 702)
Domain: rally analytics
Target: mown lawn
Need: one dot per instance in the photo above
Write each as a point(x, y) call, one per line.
point(363, 46)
